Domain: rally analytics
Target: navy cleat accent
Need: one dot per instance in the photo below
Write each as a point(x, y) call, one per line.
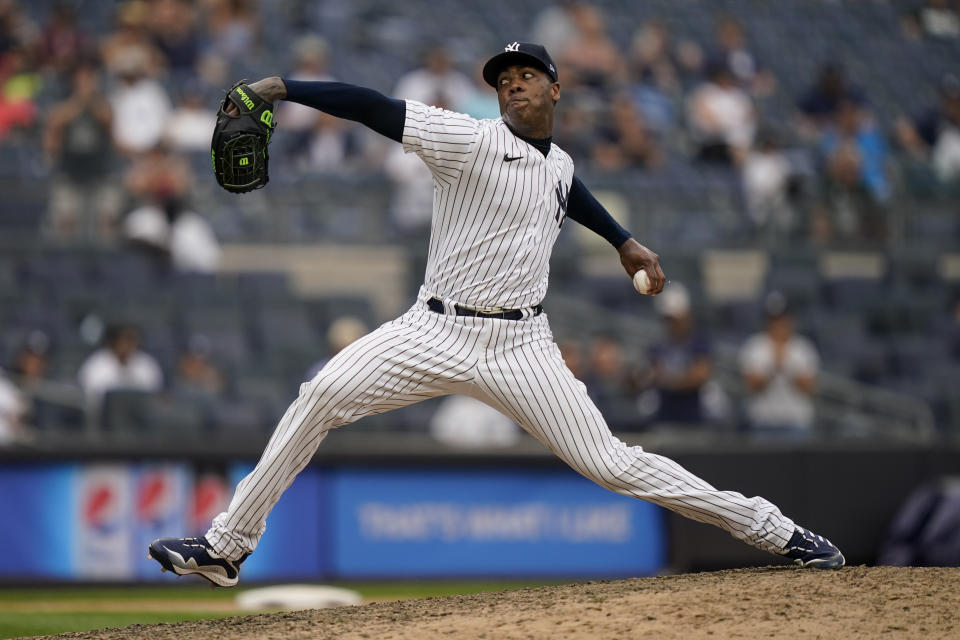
point(184, 556)
point(808, 549)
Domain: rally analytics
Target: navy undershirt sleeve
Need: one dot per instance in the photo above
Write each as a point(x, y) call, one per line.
point(584, 208)
point(371, 108)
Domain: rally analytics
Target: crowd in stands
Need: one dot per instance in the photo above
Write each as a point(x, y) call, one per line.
point(123, 103)
point(104, 94)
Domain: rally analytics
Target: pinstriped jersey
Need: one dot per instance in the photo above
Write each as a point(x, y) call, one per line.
point(498, 205)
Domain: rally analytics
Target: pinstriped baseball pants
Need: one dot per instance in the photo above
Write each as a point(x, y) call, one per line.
point(512, 365)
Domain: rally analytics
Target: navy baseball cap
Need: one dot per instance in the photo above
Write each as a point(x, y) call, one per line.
point(534, 55)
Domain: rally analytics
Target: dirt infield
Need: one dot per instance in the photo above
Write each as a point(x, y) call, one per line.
point(781, 602)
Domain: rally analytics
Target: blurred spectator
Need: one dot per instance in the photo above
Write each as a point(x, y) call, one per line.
point(610, 382)
point(343, 331)
point(591, 59)
point(624, 142)
point(164, 224)
point(233, 28)
point(62, 41)
point(721, 116)
point(821, 102)
point(214, 72)
point(190, 126)
point(333, 145)
point(467, 423)
point(196, 370)
point(173, 28)
point(176, 233)
point(680, 360)
point(130, 43)
point(29, 363)
point(934, 136)
point(856, 151)
point(158, 176)
point(767, 182)
point(311, 61)
point(940, 19)
point(481, 102)
point(437, 83)
point(140, 105)
point(13, 410)
point(554, 28)
point(657, 61)
point(30, 368)
point(119, 364)
point(17, 30)
point(440, 85)
point(574, 127)
point(779, 369)
point(572, 353)
point(320, 142)
point(731, 42)
point(654, 104)
point(855, 156)
point(193, 244)
point(411, 200)
point(317, 141)
point(84, 199)
point(19, 85)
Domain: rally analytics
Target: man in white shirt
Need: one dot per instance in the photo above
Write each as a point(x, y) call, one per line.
point(119, 364)
point(722, 117)
point(140, 107)
point(779, 369)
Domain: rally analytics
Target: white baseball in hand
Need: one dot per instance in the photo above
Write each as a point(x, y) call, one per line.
point(641, 282)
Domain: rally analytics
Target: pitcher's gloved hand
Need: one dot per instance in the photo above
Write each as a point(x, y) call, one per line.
point(244, 127)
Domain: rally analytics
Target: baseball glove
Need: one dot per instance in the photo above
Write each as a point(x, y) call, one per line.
point(239, 145)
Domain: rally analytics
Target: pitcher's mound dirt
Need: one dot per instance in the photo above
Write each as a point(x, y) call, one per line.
point(771, 602)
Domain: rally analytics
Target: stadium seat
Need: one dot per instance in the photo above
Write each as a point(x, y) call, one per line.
point(263, 287)
point(226, 330)
point(124, 411)
point(134, 413)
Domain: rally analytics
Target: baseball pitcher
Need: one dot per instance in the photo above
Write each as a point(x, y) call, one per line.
point(502, 191)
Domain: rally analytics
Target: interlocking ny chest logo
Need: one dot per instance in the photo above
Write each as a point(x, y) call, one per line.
point(563, 198)
point(512, 47)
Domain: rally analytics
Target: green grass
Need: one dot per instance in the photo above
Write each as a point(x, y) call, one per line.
point(151, 593)
point(24, 611)
point(17, 624)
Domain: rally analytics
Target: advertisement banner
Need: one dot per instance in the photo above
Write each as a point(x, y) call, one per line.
point(103, 520)
point(461, 523)
point(161, 510)
point(94, 522)
point(37, 503)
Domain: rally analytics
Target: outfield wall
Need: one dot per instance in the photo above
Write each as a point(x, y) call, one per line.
point(92, 521)
point(421, 511)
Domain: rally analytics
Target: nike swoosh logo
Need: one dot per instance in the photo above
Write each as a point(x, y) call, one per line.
point(507, 158)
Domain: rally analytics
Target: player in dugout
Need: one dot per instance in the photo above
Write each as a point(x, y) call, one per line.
point(503, 190)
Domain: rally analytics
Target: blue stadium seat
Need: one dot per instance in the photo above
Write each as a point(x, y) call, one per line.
point(225, 328)
point(264, 287)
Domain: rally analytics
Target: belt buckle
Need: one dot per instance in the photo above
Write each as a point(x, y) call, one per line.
point(480, 313)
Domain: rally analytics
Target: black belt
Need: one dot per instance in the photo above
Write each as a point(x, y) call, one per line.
point(436, 305)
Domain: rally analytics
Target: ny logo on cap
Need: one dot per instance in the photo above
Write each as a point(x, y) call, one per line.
point(512, 47)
